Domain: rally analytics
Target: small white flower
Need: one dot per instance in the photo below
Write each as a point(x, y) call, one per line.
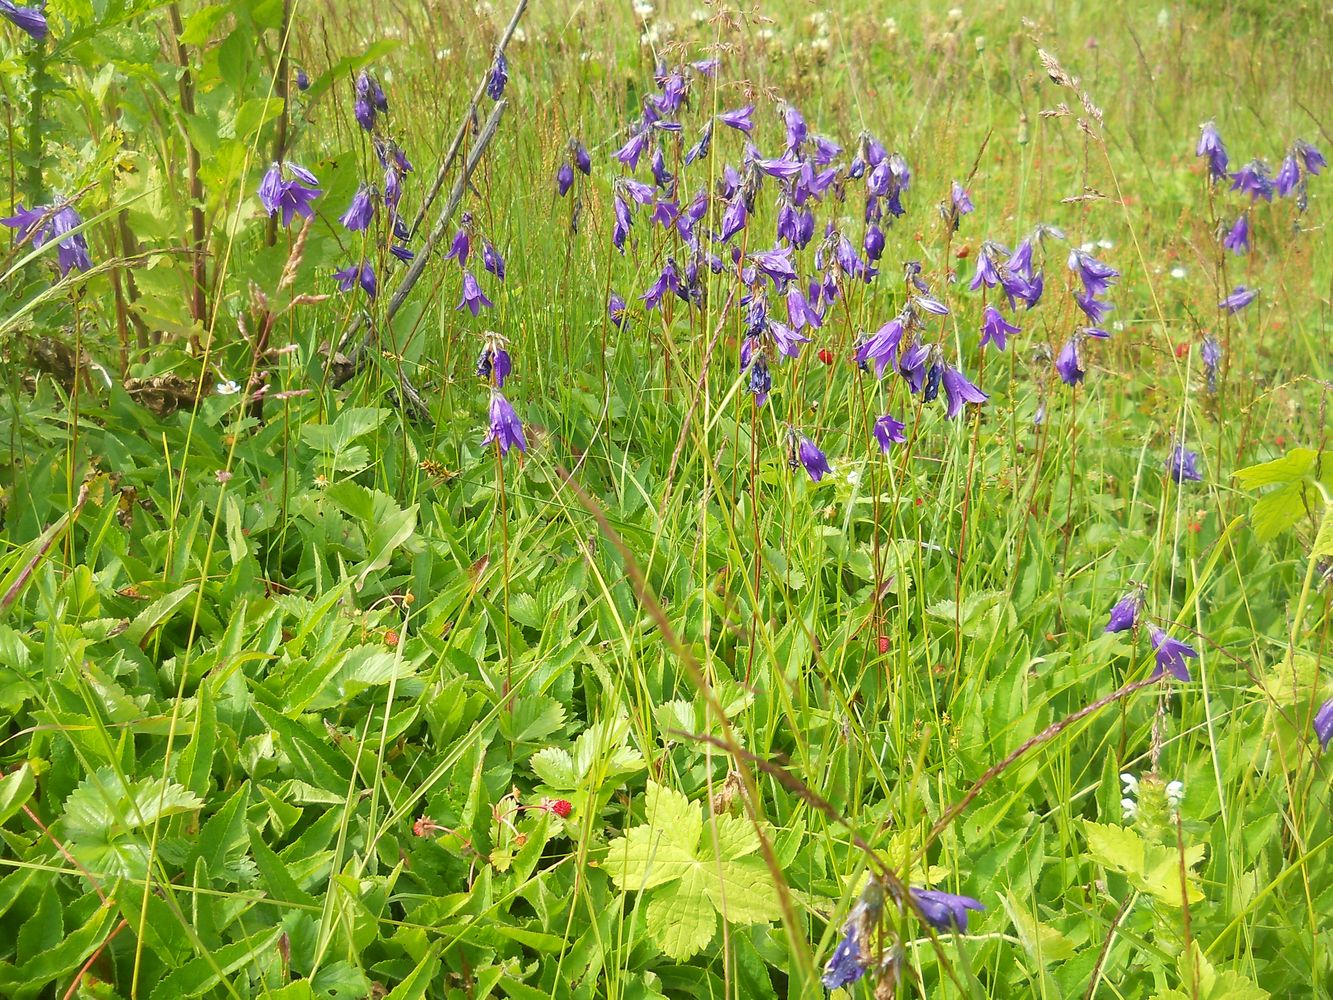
point(1177, 272)
point(854, 477)
point(1175, 793)
point(955, 14)
point(1129, 807)
point(642, 8)
point(891, 25)
point(1163, 18)
point(1131, 783)
point(1088, 247)
point(227, 388)
point(699, 16)
point(443, 54)
point(1105, 244)
point(981, 43)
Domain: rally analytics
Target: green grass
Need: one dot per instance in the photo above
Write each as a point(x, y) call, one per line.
point(287, 695)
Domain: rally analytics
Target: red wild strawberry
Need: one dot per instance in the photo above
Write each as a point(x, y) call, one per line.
point(884, 644)
point(561, 807)
point(826, 356)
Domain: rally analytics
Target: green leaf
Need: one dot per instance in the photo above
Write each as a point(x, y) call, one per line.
point(1199, 980)
point(645, 858)
point(419, 979)
point(555, 767)
point(16, 789)
point(742, 891)
point(156, 614)
point(103, 813)
point(200, 975)
point(672, 813)
point(1292, 467)
point(386, 525)
point(1151, 868)
point(679, 917)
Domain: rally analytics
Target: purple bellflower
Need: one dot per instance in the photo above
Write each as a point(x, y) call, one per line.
point(944, 910)
point(1237, 240)
point(1211, 352)
point(881, 347)
point(1288, 176)
point(579, 153)
point(888, 432)
point(564, 179)
point(959, 200)
point(290, 195)
point(958, 390)
point(995, 329)
point(302, 80)
point(1125, 613)
point(1068, 364)
point(474, 299)
point(800, 312)
point(1310, 155)
point(461, 246)
point(1239, 298)
point(45, 223)
point(741, 119)
point(491, 259)
point(848, 962)
point(809, 455)
point(1183, 464)
point(1253, 179)
point(505, 428)
point(1323, 724)
point(362, 274)
point(362, 210)
point(1210, 145)
point(615, 311)
point(1096, 276)
point(29, 19)
point(1170, 655)
point(499, 76)
point(494, 361)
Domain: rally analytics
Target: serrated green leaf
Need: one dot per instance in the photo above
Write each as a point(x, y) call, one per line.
point(16, 789)
point(680, 918)
point(645, 858)
point(742, 891)
point(1292, 467)
point(1151, 868)
point(670, 812)
point(554, 766)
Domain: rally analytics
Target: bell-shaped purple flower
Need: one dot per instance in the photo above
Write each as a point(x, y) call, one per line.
point(912, 365)
point(579, 154)
point(1239, 298)
point(944, 910)
point(986, 274)
point(362, 274)
point(28, 19)
point(1094, 308)
point(302, 80)
point(1253, 179)
point(794, 122)
point(1211, 352)
point(888, 432)
point(1210, 145)
point(787, 340)
point(1310, 155)
point(1323, 724)
point(460, 248)
point(499, 76)
point(362, 210)
point(615, 311)
point(800, 313)
point(564, 179)
point(491, 260)
point(848, 962)
point(882, 346)
point(873, 243)
point(505, 428)
point(741, 119)
point(1096, 276)
point(959, 200)
point(958, 390)
point(775, 263)
point(71, 248)
point(633, 148)
point(1183, 464)
point(995, 329)
point(702, 146)
point(1237, 240)
point(1068, 363)
point(809, 455)
point(1170, 654)
point(1125, 613)
point(1288, 175)
point(290, 195)
point(474, 299)
point(760, 383)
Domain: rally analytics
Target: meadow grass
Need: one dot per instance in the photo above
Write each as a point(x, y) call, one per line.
point(307, 694)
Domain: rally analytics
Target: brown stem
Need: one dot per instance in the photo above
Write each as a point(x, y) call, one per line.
point(199, 234)
point(281, 92)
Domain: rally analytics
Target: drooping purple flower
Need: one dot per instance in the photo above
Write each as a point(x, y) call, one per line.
point(794, 122)
point(781, 168)
point(1067, 362)
point(962, 204)
point(393, 185)
point(702, 146)
point(661, 175)
point(292, 196)
point(912, 365)
point(460, 248)
point(1237, 240)
point(579, 154)
point(1211, 352)
point(888, 432)
point(1288, 175)
point(494, 361)
point(761, 380)
point(986, 274)
point(944, 910)
point(499, 76)
point(1253, 179)
point(874, 243)
point(1183, 464)
point(800, 313)
point(505, 429)
point(491, 260)
point(362, 210)
point(564, 179)
point(1310, 155)
point(1094, 308)
point(848, 962)
point(362, 274)
point(882, 346)
point(958, 390)
point(623, 222)
point(775, 263)
point(741, 119)
point(302, 80)
point(1323, 724)
point(1096, 276)
point(787, 340)
point(633, 148)
point(1170, 654)
point(615, 311)
point(1125, 613)
point(706, 67)
point(71, 247)
point(667, 281)
point(474, 299)
point(995, 329)
point(403, 253)
point(370, 101)
point(28, 19)
point(1210, 145)
point(929, 304)
point(809, 455)
point(1239, 298)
